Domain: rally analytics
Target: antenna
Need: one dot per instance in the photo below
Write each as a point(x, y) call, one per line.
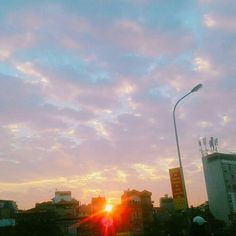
point(205, 145)
point(201, 149)
point(213, 144)
point(216, 144)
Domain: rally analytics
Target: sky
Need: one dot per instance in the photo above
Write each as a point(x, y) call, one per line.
point(88, 88)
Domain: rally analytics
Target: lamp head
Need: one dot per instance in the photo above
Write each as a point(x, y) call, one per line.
point(196, 88)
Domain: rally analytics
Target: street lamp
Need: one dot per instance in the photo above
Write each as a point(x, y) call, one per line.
point(195, 89)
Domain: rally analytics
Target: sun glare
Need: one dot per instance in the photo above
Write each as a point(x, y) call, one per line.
point(108, 208)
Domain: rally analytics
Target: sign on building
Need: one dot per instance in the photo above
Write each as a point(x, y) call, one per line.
point(179, 198)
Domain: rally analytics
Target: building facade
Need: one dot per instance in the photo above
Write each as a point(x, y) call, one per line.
point(167, 203)
point(62, 213)
point(220, 177)
point(137, 211)
point(8, 210)
point(62, 196)
point(98, 204)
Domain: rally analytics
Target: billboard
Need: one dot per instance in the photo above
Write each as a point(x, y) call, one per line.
point(179, 198)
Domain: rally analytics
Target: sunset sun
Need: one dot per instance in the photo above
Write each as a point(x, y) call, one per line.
point(108, 208)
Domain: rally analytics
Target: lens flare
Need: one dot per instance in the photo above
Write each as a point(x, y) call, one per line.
point(108, 208)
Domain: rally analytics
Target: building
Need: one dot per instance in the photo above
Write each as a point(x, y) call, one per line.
point(167, 203)
point(60, 215)
point(37, 221)
point(97, 214)
point(85, 210)
point(220, 177)
point(8, 210)
point(67, 211)
point(98, 204)
point(136, 211)
point(62, 196)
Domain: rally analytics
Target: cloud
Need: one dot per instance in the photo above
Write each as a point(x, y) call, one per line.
point(90, 91)
point(209, 21)
point(201, 65)
point(28, 70)
point(220, 22)
point(4, 54)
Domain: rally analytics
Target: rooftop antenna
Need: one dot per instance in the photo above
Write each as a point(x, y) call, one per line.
point(213, 144)
point(201, 149)
point(216, 144)
point(205, 145)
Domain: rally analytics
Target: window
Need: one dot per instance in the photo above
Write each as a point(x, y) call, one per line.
point(234, 187)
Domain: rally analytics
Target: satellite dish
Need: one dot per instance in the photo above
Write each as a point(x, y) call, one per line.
point(199, 220)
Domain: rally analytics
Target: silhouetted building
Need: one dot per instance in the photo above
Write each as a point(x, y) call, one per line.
point(62, 213)
point(137, 211)
point(167, 203)
point(98, 204)
point(62, 196)
point(220, 176)
point(37, 221)
point(85, 210)
point(8, 210)
point(66, 209)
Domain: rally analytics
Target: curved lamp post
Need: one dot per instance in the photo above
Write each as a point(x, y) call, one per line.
point(195, 89)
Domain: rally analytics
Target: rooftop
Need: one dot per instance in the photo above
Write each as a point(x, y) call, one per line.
point(221, 156)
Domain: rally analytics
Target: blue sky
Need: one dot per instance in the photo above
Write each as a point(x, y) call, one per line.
point(88, 88)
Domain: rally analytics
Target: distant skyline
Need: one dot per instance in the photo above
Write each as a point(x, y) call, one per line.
point(88, 88)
